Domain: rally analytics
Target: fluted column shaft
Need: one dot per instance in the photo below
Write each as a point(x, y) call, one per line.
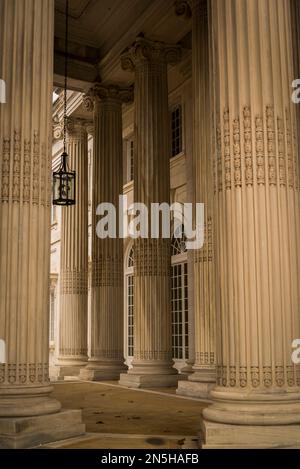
point(203, 378)
point(152, 318)
point(107, 282)
point(74, 259)
point(26, 35)
point(257, 220)
point(295, 16)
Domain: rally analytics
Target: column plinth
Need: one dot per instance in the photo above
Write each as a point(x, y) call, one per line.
point(152, 361)
point(25, 197)
point(107, 278)
point(256, 402)
point(74, 260)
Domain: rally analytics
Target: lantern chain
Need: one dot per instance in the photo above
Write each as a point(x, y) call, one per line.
point(66, 74)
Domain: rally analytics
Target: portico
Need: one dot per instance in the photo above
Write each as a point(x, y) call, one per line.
point(168, 101)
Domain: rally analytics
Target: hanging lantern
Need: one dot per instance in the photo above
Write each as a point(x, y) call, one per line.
point(64, 183)
point(64, 179)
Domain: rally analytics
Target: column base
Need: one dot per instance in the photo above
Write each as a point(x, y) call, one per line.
point(68, 367)
point(217, 435)
point(149, 380)
point(194, 389)
point(27, 401)
point(247, 419)
point(99, 371)
point(27, 432)
point(198, 385)
point(66, 371)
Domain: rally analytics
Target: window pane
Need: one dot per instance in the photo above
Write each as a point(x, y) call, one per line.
point(176, 126)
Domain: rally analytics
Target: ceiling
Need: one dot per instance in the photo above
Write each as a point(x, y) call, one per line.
point(99, 30)
point(98, 23)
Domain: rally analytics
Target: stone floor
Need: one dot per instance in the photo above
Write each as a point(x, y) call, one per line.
point(117, 417)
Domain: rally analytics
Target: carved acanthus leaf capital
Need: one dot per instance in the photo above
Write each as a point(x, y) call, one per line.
point(113, 92)
point(110, 93)
point(76, 126)
point(145, 51)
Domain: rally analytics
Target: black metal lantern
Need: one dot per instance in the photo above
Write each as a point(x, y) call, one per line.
point(64, 183)
point(64, 179)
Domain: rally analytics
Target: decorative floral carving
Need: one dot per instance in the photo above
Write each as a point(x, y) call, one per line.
point(271, 145)
point(237, 153)
point(36, 169)
point(248, 146)
point(255, 379)
point(43, 180)
point(276, 140)
point(205, 358)
point(267, 376)
point(16, 167)
point(73, 281)
point(219, 174)
point(24, 373)
point(205, 254)
point(289, 150)
point(279, 375)
point(232, 376)
point(222, 375)
point(227, 156)
point(290, 374)
point(260, 157)
point(152, 257)
point(281, 148)
point(107, 272)
point(26, 171)
point(74, 352)
point(152, 355)
point(5, 170)
point(243, 376)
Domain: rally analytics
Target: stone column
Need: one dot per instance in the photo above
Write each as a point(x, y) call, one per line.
point(152, 362)
point(257, 399)
point(107, 281)
point(26, 30)
point(74, 260)
point(204, 377)
point(295, 14)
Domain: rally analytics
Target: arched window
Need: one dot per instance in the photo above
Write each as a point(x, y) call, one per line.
point(179, 296)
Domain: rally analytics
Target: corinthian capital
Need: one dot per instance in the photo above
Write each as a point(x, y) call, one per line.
point(112, 93)
point(76, 127)
point(145, 51)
